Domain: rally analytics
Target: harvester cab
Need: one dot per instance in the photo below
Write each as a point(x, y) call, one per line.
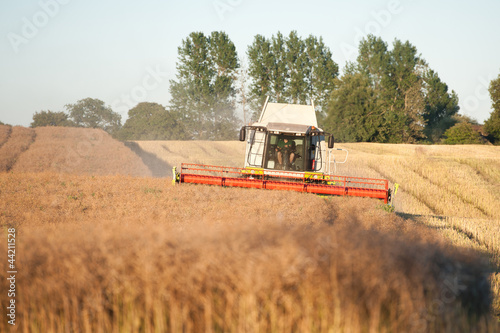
point(287, 137)
point(279, 146)
point(286, 150)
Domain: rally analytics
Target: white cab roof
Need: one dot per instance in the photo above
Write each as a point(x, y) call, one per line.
point(288, 114)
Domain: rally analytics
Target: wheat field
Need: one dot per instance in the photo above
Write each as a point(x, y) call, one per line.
point(454, 189)
point(105, 247)
point(13, 142)
point(127, 254)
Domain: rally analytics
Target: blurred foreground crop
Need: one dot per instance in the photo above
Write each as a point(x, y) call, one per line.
point(127, 254)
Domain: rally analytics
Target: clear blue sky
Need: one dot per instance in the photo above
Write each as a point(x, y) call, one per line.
point(55, 52)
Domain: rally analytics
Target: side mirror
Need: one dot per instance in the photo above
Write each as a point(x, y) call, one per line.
point(243, 133)
point(331, 141)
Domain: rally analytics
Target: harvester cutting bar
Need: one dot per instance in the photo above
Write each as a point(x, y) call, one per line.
point(284, 180)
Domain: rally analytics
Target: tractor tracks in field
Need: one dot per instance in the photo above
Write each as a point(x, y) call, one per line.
point(435, 209)
point(447, 223)
point(422, 200)
point(452, 192)
point(5, 132)
point(157, 166)
point(481, 173)
point(168, 151)
point(18, 141)
point(492, 182)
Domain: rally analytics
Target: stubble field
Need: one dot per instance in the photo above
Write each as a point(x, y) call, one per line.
point(103, 247)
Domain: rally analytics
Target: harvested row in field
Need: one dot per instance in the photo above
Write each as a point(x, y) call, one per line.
point(488, 169)
point(18, 141)
point(461, 181)
point(485, 232)
point(478, 234)
point(5, 131)
point(456, 181)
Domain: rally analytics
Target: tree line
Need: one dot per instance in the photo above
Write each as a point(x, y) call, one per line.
point(389, 94)
point(146, 121)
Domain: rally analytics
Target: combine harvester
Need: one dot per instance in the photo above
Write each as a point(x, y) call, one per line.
point(285, 150)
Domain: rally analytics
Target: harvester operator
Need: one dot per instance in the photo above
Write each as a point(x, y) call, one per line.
point(285, 145)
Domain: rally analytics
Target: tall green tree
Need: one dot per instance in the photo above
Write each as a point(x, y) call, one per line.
point(406, 96)
point(321, 76)
point(50, 118)
point(356, 116)
point(242, 89)
point(261, 69)
point(403, 116)
point(93, 113)
point(362, 112)
point(151, 121)
point(440, 106)
point(373, 65)
point(298, 69)
point(492, 125)
point(204, 92)
point(279, 71)
point(373, 61)
point(291, 70)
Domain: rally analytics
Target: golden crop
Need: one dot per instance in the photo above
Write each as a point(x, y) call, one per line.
point(458, 185)
point(125, 254)
point(13, 142)
point(100, 249)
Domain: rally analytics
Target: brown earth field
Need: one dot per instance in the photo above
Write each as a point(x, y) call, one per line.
point(105, 243)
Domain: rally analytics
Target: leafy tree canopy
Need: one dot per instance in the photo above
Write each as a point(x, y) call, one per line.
point(49, 118)
point(492, 125)
point(462, 133)
point(151, 121)
point(355, 105)
point(204, 92)
point(397, 98)
point(93, 113)
point(440, 106)
point(290, 70)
